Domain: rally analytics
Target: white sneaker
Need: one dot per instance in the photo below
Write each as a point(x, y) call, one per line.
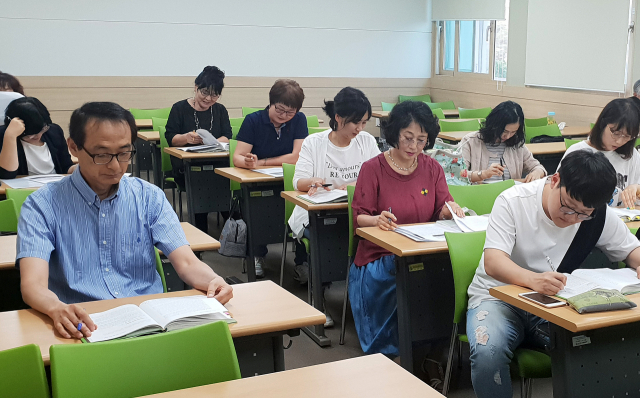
point(259, 262)
point(329, 323)
point(301, 273)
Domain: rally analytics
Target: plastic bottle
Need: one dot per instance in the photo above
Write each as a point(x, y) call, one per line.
point(551, 118)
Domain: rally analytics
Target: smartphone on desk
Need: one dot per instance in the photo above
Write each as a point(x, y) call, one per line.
point(543, 299)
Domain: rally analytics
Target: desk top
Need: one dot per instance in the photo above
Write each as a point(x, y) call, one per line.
point(447, 113)
point(576, 131)
point(198, 240)
point(361, 377)
point(565, 316)
point(292, 196)
point(191, 155)
point(400, 245)
point(259, 307)
point(244, 176)
point(149, 135)
point(547, 148)
point(144, 123)
point(453, 135)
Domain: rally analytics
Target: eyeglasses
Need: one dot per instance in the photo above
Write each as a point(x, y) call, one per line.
point(106, 158)
point(281, 111)
point(411, 141)
point(208, 93)
point(618, 135)
point(569, 211)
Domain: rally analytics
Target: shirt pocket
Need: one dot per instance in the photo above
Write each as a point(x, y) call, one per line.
point(135, 249)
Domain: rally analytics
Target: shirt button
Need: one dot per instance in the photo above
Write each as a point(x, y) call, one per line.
point(103, 215)
point(104, 242)
point(106, 269)
point(116, 293)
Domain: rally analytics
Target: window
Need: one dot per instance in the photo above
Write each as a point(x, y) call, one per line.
point(501, 43)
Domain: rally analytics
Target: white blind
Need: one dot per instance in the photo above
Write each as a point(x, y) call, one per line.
point(577, 44)
point(450, 10)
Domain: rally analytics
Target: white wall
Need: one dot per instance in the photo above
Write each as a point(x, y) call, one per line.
point(330, 38)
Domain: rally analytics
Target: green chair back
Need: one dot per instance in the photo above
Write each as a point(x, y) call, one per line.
point(236, 121)
point(234, 131)
point(479, 198)
point(353, 242)
point(441, 105)
point(568, 142)
point(158, 122)
point(18, 196)
point(438, 113)
point(539, 122)
point(312, 121)
point(313, 130)
point(465, 250)
point(247, 111)
point(8, 216)
point(160, 269)
point(467, 125)
point(551, 130)
point(288, 170)
point(233, 185)
point(22, 373)
point(474, 113)
point(423, 98)
point(145, 365)
point(591, 125)
point(387, 106)
point(150, 113)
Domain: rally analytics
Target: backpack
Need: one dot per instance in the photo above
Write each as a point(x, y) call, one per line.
point(233, 239)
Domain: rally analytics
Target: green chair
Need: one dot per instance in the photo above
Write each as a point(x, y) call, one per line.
point(8, 216)
point(479, 113)
point(247, 111)
point(233, 185)
point(441, 105)
point(236, 121)
point(168, 181)
point(313, 130)
point(150, 113)
point(479, 198)
point(551, 130)
point(423, 98)
point(467, 125)
point(539, 122)
point(145, 365)
point(351, 254)
point(18, 196)
point(568, 142)
point(438, 113)
point(591, 125)
point(234, 131)
point(465, 250)
point(387, 106)
point(158, 122)
point(160, 269)
point(312, 121)
point(22, 373)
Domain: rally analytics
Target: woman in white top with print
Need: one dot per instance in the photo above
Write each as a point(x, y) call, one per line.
point(614, 134)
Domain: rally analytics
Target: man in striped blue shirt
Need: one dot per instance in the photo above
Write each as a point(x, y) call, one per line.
point(91, 236)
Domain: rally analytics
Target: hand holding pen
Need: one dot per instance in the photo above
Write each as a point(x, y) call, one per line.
point(387, 221)
point(250, 160)
point(316, 184)
point(549, 283)
point(494, 170)
point(502, 165)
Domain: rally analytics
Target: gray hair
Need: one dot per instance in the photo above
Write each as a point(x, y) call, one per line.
point(636, 87)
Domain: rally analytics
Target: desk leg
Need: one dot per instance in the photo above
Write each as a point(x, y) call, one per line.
point(404, 314)
point(596, 363)
point(156, 161)
point(190, 192)
point(261, 354)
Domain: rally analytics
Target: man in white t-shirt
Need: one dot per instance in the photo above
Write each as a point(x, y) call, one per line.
point(530, 230)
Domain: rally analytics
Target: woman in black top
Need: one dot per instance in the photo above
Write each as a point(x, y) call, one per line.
point(30, 143)
point(202, 111)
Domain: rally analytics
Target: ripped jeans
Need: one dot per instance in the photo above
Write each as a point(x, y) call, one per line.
point(495, 329)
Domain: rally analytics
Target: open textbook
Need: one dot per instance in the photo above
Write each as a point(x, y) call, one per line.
point(324, 196)
point(626, 214)
point(156, 316)
point(624, 280)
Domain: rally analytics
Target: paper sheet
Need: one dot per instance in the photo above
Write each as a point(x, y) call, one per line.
point(271, 171)
point(324, 196)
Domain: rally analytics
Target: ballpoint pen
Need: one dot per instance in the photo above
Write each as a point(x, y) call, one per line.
point(502, 164)
point(389, 218)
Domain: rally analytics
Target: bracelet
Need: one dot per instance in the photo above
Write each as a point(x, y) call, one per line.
point(479, 174)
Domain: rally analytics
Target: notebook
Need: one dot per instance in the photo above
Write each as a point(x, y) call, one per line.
point(624, 280)
point(422, 232)
point(157, 316)
point(324, 196)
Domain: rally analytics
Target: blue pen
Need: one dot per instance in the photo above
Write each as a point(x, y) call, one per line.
point(79, 326)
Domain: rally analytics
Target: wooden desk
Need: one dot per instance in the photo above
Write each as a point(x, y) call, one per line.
point(152, 141)
point(8, 251)
point(592, 355)
point(547, 148)
point(143, 159)
point(328, 251)
point(3, 186)
point(206, 191)
point(448, 113)
point(264, 312)
point(362, 377)
point(144, 123)
point(400, 245)
point(575, 131)
point(262, 209)
point(455, 136)
point(149, 136)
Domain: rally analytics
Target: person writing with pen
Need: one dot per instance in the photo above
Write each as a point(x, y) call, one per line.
point(536, 232)
point(497, 151)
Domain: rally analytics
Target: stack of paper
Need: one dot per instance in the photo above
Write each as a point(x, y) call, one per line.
point(626, 214)
point(220, 147)
point(470, 223)
point(272, 171)
point(35, 181)
point(324, 196)
point(422, 232)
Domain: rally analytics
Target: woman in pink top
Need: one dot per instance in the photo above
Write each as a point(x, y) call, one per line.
point(400, 186)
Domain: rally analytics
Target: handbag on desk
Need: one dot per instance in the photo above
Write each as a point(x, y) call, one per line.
point(233, 239)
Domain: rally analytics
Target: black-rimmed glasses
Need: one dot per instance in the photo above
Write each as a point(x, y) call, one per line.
point(569, 211)
point(106, 158)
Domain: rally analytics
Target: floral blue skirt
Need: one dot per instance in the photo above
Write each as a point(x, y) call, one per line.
point(372, 292)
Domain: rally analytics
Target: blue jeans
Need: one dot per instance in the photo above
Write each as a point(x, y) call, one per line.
point(495, 329)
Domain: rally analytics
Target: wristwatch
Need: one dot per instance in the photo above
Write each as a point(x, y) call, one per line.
point(479, 173)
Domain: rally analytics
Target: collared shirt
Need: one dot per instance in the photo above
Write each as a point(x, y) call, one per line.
point(99, 249)
point(258, 131)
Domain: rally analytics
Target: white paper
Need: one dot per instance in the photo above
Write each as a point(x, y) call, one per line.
point(324, 196)
point(35, 181)
point(624, 280)
point(422, 232)
point(470, 223)
point(575, 286)
point(118, 322)
point(622, 212)
point(272, 171)
point(167, 310)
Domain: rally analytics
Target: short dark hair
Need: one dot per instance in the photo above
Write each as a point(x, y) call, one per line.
point(101, 112)
point(350, 104)
point(211, 78)
point(32, 112)
point(10, 81)
point(287, 92)
point(406, 112)
point(588, 177)
point(622, 113)
point(507, 112)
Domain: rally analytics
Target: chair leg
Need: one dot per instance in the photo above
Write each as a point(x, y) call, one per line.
point(284, 254)
point(452, 348)
point(173, 198)
point(530, 388)
point(526, 388)
point(459, 354)
point(345, 300)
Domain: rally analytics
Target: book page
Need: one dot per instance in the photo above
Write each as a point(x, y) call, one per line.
point(167, 310)
point(324, 196)
point(575, 286)
point(618, 279)
point(119, 322)
point(626, 214)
